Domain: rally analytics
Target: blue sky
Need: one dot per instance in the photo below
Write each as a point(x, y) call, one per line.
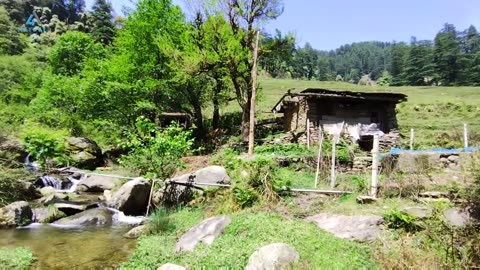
point(327, 24)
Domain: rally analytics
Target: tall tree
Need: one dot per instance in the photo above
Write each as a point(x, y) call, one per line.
point(418, 69)
point(471, 49)
point(245, 18)
point(276, 53)
point(447, 55)
point(103, 29)
point(398, 54)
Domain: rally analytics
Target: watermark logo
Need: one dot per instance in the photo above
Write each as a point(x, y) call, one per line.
point(32, 25)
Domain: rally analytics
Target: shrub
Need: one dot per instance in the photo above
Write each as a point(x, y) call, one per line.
point(16, 258)
point(156, 153)
point(398, 220)
point(45, 145)
point(160, 222)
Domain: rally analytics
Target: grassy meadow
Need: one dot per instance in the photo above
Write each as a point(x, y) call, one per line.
point(436, 113)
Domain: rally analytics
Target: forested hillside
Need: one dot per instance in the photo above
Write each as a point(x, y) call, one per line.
point(451, 58)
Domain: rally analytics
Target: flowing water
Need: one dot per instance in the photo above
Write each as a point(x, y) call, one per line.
point(72, 248)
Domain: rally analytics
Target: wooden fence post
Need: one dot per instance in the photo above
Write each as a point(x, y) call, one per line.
point(375, 161)
point(465, 134)
point(412, 133)
point(308, 133)
point(320, 154)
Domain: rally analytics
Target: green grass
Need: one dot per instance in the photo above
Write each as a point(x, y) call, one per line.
point(247, 232)
point(17, 258)
point(436, 113)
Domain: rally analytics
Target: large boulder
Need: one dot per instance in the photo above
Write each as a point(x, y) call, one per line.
point(209, 175)
point(93, 217)
point(272, 257)
point(358, 228)
point(46, 215)
point(206, 231)
point(175, 194)
point(15, 214)
point(132, 198)
point(12, 150)
point(84, 152)
point(97, 183)
point(74, 208)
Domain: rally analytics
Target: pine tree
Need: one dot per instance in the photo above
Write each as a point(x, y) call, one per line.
point(447, 55)
point(103, 29)
point(418, 69)
point(398, 54)
point(471, 49)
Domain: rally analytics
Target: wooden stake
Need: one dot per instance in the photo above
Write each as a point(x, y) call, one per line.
point(308, 133)
point(320, 154)
point(251, 133)
point(412, 133)
point(334, 155)
point(375, 161)
point(332, 170)
point(465, 134)
point(150, 197)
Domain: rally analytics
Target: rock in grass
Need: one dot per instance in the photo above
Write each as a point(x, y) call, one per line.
point(15, 214)
point(171, 266)
point(357, 228)
point(366, 199)
point(132, 197)
point(206, 231)
point(418, 212)
point(273, 256)
point(457, 217)
point(136, 232)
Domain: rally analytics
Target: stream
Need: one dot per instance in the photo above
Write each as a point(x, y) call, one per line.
point(72, 248)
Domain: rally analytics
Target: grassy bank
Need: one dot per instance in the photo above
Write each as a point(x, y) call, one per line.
point(247, 232)
point(18, 258)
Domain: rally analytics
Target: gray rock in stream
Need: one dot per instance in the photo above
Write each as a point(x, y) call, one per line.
point(136, 232)
point(71, 209)
point(92, 217)
point(15, 214)
point(97, 183)
point(132, 198)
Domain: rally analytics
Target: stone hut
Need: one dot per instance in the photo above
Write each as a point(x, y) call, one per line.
point(361, 115)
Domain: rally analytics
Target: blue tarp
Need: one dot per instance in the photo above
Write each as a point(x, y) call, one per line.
point(396, 151)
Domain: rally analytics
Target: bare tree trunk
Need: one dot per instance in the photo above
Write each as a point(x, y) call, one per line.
point(251, 132)
point(216, 107)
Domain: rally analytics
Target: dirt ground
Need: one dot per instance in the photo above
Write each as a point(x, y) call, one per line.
point(193, 163)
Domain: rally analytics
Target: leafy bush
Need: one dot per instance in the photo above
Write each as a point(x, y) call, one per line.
point(156, 153)
point(16, 258)
point(45, 145)
point(399, 220)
